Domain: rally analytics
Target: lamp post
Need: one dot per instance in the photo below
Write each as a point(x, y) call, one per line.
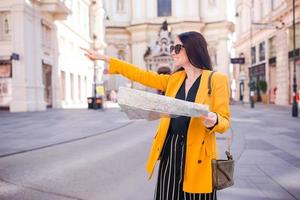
point(251, 83)
point(242, 78)
point(295, 104)
point(95, 75)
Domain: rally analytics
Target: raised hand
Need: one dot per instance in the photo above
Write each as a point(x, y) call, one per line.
point(93, 55)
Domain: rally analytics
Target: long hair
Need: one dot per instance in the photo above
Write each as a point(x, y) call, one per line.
point(196, 49)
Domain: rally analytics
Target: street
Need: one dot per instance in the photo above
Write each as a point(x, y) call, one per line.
point(101, 155)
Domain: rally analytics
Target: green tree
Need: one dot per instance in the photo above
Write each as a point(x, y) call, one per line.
point(262, 84)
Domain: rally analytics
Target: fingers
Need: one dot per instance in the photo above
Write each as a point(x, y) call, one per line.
point(86, 50)
point(93, 55)
point(89, 53)
point(208, 123)
point(210, 120)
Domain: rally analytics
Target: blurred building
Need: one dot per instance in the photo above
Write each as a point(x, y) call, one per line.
point(135, 29)
point(264, 31)
point(41, 65)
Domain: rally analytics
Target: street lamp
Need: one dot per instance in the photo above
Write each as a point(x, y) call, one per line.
point(295, 103)
point(251, 83)
point(95, 74)
point(242, 78)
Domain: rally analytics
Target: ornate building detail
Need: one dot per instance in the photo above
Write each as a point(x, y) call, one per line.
point(158, 57)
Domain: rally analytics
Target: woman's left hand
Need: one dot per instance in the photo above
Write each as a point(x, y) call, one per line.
point(210, 120)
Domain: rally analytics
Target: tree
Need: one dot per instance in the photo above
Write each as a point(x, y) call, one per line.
point(262, 85)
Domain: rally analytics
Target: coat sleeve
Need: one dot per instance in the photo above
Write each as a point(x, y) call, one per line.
point(134, 73)
point(220, 102)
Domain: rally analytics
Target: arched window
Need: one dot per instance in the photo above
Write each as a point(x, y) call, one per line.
point(164, 8)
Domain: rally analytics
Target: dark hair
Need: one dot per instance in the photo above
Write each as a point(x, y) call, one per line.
point(196, 49)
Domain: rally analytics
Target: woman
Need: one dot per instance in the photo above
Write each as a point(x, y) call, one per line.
point(185, 146)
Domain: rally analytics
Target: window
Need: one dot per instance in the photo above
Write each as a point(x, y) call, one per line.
point(46, 35)
point(86, 19)
point(272, 5)
point(253, 55)
point(262, 51)
point(63, 85)
point(79, 20)
point(72, 86)
point(261, 9)
point(291, 37)
point(272, 47)
point(3, 88)
point(164, 8)
point(120, 5)
point(5, 69)
point(5, 30)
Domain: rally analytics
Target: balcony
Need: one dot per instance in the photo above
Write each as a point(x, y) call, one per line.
point(57, 8)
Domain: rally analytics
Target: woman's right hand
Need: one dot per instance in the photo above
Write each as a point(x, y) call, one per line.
point(93, 55)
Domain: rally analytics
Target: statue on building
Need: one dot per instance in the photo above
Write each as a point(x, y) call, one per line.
point(157, 56)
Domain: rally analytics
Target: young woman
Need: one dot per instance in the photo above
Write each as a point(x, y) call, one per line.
point(185, 146)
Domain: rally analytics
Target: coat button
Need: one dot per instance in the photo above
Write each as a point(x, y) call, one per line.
point(199, 161)
point(203, 142)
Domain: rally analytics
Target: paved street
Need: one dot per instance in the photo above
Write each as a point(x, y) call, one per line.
point(86, 154)
point(110, 165)
point(266, 144)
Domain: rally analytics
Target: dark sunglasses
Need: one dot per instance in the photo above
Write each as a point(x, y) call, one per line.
point(177, 48)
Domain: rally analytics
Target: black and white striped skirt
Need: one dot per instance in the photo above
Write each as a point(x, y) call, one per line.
point(170, 175)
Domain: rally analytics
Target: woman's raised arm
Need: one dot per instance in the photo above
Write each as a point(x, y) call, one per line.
point(130, 71)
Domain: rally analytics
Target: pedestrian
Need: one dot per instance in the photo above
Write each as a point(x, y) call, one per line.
point(185, 146)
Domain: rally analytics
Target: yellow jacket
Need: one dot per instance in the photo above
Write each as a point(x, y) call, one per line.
point(201, 142)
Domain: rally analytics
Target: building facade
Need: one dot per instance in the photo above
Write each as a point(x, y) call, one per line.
point(41, 64)
point(264, 37)
point(133, 27)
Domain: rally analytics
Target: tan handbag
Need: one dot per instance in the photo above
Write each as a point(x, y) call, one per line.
point(222, 170)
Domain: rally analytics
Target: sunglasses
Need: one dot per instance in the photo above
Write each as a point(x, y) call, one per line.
point(177, 48)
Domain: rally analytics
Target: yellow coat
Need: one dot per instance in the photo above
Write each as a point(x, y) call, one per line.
point(200, 150)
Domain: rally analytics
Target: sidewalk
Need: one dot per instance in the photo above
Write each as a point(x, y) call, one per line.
point(21, 132)
point(266, 149)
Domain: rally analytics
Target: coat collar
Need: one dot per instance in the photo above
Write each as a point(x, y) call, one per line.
point(202, 90)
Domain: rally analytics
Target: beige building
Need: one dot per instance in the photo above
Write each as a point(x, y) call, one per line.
point(269, 39)
point(41, 65)
point(133, 28)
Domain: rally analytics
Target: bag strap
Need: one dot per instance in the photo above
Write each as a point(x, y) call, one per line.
point(209, 83)
point(229, 143)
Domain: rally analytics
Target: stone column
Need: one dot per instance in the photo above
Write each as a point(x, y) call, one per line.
point(56, 96)
point(39, 87)
point(282, 69)
point(23, 82)
point(223, 55)
point(139, 45)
